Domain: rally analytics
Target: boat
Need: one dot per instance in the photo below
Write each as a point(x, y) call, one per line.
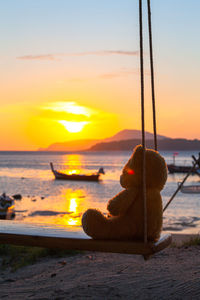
point(173, 168)
point(181, 169)
point(190, 189)
point(79, 177)
point(7, 207)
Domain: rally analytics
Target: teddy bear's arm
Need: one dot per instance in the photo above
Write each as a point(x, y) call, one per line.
point(119, 204)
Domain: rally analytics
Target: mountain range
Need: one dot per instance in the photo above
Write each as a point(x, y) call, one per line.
point(87, 144)
point(163, 144)
point(125, 140)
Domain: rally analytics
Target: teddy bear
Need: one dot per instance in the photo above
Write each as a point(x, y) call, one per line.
point(126, 213)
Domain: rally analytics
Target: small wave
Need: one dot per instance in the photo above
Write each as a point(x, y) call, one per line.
point(185, 224)
point(179, 224)
point(47, 213)
point(170, 228)
point(187, 221)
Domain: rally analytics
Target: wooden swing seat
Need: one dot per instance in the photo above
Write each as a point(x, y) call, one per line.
point(48, 236)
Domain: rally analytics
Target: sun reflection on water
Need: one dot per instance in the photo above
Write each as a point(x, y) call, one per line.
point(70, 172)
point(72, 164)
point(73, 206)
point(57, 202)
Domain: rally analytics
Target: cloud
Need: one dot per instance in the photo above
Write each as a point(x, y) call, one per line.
point(108, 52)
point(56, 56)
point(66, 110)
point(38, 57)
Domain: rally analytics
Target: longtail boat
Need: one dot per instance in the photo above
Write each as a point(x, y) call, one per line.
point(79, 177)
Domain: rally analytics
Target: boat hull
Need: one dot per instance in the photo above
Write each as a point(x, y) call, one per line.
point(7, 213)
point(190, 189)
point(76, 177)
point(61, 176)
point(180, 169)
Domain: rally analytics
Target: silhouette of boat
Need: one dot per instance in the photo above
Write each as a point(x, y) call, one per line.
point(79, 177)
point(190, 189)
point(180, 169)
point(173, 168)
point(7, 207)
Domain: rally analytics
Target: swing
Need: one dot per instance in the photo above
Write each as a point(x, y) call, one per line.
point(12, 232)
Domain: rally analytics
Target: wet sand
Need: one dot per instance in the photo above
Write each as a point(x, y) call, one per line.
point(171, 274)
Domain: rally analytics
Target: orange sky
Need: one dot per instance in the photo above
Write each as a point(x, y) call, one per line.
point(87, 72)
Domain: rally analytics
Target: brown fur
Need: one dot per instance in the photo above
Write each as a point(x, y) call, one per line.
point(126, 209)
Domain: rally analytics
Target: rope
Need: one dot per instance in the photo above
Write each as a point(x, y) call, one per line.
point(143, 123)
point(152, 74)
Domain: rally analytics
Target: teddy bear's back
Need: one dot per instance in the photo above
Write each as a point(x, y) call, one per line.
point(135, 214)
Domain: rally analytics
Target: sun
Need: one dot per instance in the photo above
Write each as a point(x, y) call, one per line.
point(73, 127)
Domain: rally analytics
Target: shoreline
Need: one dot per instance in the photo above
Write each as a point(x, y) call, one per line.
point(179, 238)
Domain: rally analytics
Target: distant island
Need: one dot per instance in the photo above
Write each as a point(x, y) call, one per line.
point(125, 140)
point(164, 144)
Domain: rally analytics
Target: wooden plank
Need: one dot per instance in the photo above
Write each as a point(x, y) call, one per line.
point(48, 236)
point(41, 229)
point(164, 241)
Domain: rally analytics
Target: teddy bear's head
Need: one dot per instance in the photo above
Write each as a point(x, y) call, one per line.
point(156, 170)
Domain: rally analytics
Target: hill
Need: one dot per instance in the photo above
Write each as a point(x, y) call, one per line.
point(130, 134)
point(163, 144)
point(78, 145)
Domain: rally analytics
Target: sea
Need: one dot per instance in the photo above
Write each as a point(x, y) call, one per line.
point(49, 201)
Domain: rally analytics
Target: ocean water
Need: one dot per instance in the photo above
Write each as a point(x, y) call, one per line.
point(45, 200)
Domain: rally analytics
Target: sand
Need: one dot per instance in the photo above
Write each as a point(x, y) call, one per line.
point(171, 274)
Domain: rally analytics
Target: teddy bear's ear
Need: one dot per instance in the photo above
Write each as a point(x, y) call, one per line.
point(136, 155)
point(137, 149)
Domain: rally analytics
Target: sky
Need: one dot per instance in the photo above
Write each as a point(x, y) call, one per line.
point(69, 70)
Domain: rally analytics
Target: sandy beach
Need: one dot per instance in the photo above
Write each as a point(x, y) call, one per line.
point(171, 274)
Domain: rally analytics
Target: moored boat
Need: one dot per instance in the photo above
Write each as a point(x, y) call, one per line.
point(79, 177)
point(190, 189)
point(7, 207)
point(181, 169)
point(193, 169)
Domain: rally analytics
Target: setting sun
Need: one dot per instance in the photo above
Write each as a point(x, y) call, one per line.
point(73, 126)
